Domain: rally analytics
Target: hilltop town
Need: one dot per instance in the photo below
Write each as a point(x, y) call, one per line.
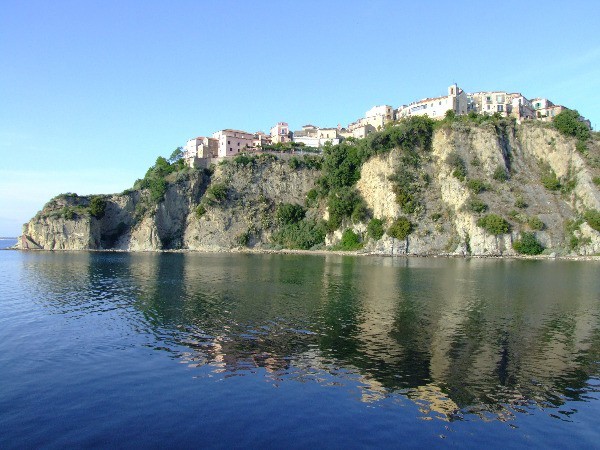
point(201, 151)
point(488, 178)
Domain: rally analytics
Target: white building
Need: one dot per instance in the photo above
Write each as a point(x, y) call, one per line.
point(436, 107)
point(378, 116)
point(232, 142)
point(500, 102)
point(312, 136)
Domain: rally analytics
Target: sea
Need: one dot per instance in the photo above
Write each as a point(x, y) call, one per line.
point(6, 242)
point(191, 350)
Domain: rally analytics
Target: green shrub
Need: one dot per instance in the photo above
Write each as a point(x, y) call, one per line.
point(294, 163)
point(301, 235)
point(518, 216)
point(571, 227)
point(288, 213)
point(592, 217)
point(375, 229)
point(581, 147)
point(535, 223)
point(435, 216)
point(157, 187)
point(528, 245)
point(500, 174)
point(400, 229)
point(243, 160)
point(458, 165)
point(405, 188)
point(200, 210)
point(360, 213)
point(68, 214)
point(243, 239)
point(475, 162)
point(350, 241)
point(312, 162)
point(97, 207)
point(477, 206)
point(550, 181)
point(493, 224)
point(596, 181)
point(567, 122)
point(311, 198)
point(521, 203)
point(342, 204)
point(477, 185)
point(217, 192)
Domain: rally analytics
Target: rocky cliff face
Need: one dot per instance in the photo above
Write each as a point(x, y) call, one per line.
point(508, 163)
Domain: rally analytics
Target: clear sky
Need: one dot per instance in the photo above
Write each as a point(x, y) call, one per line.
point(91, 92)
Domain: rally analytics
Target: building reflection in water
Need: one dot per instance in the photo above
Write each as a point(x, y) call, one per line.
point(455, 336)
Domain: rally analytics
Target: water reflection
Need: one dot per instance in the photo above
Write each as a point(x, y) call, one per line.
point(458, 337)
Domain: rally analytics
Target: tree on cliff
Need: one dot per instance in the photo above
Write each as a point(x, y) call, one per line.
point(567, 122)
point(97, 207)
point(176, 155)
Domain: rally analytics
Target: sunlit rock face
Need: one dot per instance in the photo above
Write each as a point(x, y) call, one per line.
point(445, 221)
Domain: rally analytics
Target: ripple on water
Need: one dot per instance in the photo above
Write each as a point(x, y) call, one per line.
point(434, 341)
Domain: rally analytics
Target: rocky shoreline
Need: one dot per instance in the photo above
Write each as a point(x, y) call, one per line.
point(361, 253)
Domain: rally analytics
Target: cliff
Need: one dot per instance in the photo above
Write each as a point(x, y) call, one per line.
point(530, 176)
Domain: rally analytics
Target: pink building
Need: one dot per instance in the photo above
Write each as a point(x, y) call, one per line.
point(280, 133)
point(232, 142)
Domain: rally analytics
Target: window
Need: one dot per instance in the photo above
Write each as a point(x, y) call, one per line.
point(228, 142)
point(238, 144)
point(488, 99)
point(500, 108)
point(499, 98)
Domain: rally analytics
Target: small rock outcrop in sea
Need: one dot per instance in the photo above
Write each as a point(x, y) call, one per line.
point(489, 189)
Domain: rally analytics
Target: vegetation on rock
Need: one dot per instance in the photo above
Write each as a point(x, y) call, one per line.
point(400, 229)
point(493, 224)
point(528, 245)
point(459, 168)
point(350, 241)
point(97, 207)
point(567, 122)
point(535, 223)
point(592, 217)
point(289, 213)
point(216, 193)
point(375, 229)
point(476, 205)
point(500, 174)
point(303, 235)
point(476, 185)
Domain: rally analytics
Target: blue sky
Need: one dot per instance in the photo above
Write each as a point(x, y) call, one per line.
point(91, 92)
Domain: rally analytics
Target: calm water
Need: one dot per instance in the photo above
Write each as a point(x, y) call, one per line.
point(188, 350)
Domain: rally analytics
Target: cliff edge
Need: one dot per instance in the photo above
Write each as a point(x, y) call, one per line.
point(492, 188)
